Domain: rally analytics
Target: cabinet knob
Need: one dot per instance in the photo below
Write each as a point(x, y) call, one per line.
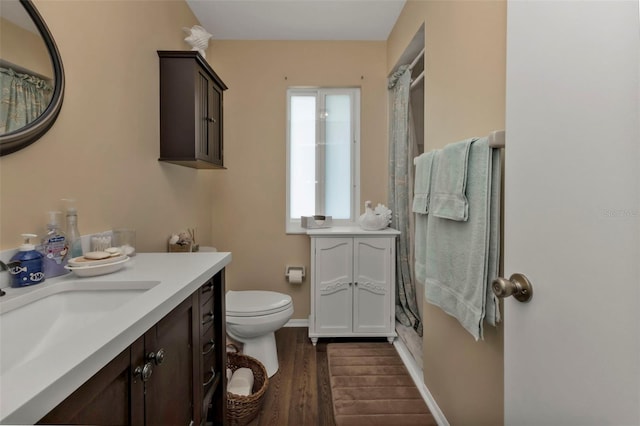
point(157, 357)
point(211, 119)
point(143, 372)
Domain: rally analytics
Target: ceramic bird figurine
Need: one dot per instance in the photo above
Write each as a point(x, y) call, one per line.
point(374, 220)
point(198, 38)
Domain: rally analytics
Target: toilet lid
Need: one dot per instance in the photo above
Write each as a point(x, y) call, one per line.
point(255, 302)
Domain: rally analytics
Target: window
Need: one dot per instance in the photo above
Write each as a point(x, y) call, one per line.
point(323, 155)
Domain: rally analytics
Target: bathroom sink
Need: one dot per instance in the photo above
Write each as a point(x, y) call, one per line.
point(35, 319)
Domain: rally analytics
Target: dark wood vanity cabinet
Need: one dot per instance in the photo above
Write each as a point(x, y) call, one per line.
point(172, 375)
point(213, 354)
point(190, 111)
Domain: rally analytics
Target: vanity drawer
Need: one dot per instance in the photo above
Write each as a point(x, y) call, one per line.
point(208, 342)
point(206, 292)
point(207, 316)
point(210, 373)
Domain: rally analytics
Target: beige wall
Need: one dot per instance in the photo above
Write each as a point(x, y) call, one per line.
point(103, 149)
point(249, 197)
point(464, 96)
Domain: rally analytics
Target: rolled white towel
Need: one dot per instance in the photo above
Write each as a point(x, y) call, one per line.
point(241, 382)
point(229, 374)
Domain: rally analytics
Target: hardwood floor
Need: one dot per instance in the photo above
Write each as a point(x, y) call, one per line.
point(299, 394)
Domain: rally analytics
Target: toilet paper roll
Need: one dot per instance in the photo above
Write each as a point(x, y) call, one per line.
point(295, 276)
point(241, 382)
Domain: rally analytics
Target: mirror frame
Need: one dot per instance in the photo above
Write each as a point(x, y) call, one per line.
point(18, 139)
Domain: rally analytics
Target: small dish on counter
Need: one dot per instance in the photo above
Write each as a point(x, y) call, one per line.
point(82, 261)
point(92, 270)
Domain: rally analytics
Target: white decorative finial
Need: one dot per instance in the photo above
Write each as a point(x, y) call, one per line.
point(198, 38)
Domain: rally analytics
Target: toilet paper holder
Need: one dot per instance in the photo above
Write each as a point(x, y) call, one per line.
point(290, 268)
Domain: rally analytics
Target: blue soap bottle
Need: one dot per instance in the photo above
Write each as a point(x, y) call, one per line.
point(26, 265)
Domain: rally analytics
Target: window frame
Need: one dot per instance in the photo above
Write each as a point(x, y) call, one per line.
point(292, 225)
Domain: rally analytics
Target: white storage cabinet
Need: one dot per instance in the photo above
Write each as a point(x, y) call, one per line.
point(352, 283)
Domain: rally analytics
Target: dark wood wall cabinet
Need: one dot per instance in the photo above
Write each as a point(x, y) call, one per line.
point(172, 375)
point(190, 111)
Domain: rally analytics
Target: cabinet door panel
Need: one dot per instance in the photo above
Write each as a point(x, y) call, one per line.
point(372, 290)
point(334, 282)
point(105, 398)
point(202, 115)
point(169, 390)
point(215, 129)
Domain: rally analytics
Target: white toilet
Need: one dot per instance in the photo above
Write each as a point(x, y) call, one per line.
point(252, 318)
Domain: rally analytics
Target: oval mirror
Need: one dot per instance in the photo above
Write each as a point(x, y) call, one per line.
point(31, 76)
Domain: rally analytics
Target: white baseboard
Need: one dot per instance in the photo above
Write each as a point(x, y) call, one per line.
point(297, 323)
point(416, 374)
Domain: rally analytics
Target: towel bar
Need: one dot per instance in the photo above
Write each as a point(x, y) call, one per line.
point(496, 139)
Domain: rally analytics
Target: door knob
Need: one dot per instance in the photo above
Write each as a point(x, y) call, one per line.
point(517, 286)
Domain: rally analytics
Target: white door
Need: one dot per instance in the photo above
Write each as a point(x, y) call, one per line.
point(572, 213)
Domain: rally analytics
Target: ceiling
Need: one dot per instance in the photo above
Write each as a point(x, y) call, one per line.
point(297, 19)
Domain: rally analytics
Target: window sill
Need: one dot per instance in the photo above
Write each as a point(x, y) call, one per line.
point(296, 229)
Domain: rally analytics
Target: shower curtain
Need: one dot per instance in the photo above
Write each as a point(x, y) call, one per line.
point(23, 98)
point(402, 150)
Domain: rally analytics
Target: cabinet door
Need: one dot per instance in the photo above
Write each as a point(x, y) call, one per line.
point(372, 285)
point(169, 391)
point(203, 117)
point(208, 117)
point(333, 285)
point(215, 125)
point(113, 396)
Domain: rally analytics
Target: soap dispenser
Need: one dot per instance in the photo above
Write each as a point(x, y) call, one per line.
point(54, 248)
point(74, 238)
point(26, 266)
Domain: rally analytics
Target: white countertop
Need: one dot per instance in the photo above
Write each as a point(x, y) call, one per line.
point(32, 389)
point(344, 231)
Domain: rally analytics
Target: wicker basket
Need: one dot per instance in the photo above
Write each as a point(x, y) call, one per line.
point(242, 409)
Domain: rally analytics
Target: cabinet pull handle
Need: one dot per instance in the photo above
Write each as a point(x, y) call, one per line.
point(212, 344)
point(207, 288)
point(157, 357)
point(211, 120)
point(144, 372)
point(213, 375)
point(207, 318)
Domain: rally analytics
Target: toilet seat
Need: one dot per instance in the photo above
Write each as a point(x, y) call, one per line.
point(251, 303)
